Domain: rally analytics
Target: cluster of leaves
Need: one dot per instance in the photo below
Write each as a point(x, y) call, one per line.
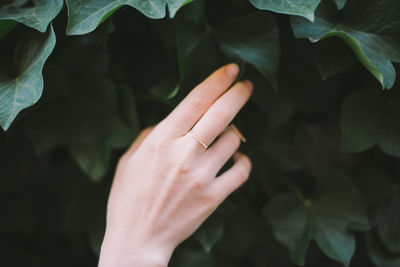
point(323, 126)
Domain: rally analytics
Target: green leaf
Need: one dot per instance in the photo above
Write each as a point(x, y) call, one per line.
point(6, 26)
point(127, 107)
point(209, 233)
point(193, 44)
point(378, 254)
point(25, 89)
point(326, 217)
point(175, 5)
point(304, 8)
point(368, 119)
point(372, 35)
point(38, 16)
point(272, 102)
point(85, 16)
point(93, 159)
point(332, 57)
point(90, 122)
point(166, 89)
point(388, 221)
point(340, 4)
point(253, 39)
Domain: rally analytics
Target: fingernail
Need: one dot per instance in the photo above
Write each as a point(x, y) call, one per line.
point(232, 70)
point(248, 84)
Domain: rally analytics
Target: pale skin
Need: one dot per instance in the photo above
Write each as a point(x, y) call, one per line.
point(166, 184)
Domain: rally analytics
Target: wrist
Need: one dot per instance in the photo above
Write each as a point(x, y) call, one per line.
point(131, 253)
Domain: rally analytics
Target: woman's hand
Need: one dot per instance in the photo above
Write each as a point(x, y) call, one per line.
point(165, 185)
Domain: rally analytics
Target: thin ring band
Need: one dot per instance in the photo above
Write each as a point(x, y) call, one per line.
point(198, 139)
point(232, 126)
point(237, 132)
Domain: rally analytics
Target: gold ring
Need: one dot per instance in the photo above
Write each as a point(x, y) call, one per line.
point(237, 132)
point(198, 139)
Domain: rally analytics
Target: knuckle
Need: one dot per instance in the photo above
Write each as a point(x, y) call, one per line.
point(197, 103)
point(197, 184)
point(162, 129)
point(157, 145)
point(222, 115)
point(183, 166)
point(209, 200)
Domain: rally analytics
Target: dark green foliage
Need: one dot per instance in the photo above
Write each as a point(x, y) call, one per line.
point(323, 135)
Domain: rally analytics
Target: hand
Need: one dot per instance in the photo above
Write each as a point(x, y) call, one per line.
point(165, 185)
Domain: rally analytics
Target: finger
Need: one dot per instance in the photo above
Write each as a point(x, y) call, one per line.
point(231, 179)
point(138, 141)
point(196, 103)
point(222, 112)
point(222, 150)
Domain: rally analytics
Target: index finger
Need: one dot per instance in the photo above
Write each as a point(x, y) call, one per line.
point(197, 102)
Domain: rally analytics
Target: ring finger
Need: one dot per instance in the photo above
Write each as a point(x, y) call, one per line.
point(222, 112)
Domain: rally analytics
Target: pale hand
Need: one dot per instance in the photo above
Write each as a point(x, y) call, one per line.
point(165, 185)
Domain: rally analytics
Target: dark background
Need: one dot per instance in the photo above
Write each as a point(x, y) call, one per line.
point(52, 212)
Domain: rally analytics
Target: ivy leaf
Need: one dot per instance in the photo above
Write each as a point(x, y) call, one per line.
point(92, 158)
point(166, 89)
point(327, 217)
point(210, 232)
point(89, 122)
point(304, 8)
point(253, 39)
point(127, 107)
point(193, 43)
point(340, 4)
point(85, 16)
point(24, 90)
point(272, 102)
point(388, 221)
point(368, 119)
point(332, 57)
point(371, 34)
point(38, 16)
point(175, 5)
